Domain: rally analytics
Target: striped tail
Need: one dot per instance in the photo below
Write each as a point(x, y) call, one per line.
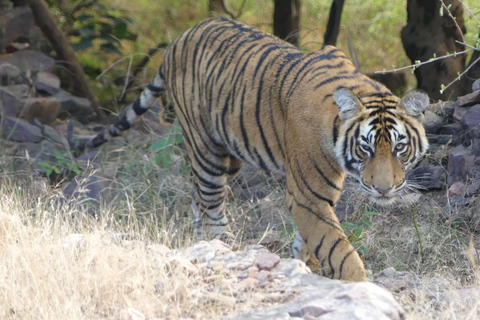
point(128, 117)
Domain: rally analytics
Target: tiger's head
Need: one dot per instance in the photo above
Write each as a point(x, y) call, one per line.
point(380, 139)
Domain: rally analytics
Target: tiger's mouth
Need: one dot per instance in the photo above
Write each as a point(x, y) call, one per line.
point(384, 200)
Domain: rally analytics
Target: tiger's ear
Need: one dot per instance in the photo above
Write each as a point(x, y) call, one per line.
point(415, 103)
point(347, 102)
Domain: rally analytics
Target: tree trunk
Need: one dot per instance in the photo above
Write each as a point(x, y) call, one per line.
point(333, 25)
point(60, 44)
point(217, 6)
point(286, 20)
point(428, 35)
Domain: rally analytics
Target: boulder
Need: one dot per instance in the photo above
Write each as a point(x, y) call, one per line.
point(43, 109)
point(322, 298)
point(77, 107)
point(20, 130)
point(432, 122)
point(293, 291)
point(460, 163)
point(47, 83)
point(27, 60)
point(471, 118)
point(12, 103)
point(10, 74)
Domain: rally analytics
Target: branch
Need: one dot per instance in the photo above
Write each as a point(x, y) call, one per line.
point(456, 79)
point(426, 62)
point(454, 20)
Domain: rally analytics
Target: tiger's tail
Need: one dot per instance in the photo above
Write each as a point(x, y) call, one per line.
point(128, 117)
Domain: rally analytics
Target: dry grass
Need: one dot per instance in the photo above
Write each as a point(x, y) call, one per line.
point(58, 263)
point(51, 272)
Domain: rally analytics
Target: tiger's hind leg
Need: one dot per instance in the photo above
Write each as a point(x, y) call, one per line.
point(213, 167)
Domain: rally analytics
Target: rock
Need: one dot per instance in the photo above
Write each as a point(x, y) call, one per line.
point(476, 85)
point(451, 129)
point(438, 139)
point(14, 25)
point(85, 188)
point(461, 161)
point(459, 113)
point(50, 133)
point(428, 177)
point(458, 201)
point(20, 130)
point(471, 118)
point(323, 298)
point(9, 74)
point(457, 189)
point(77, 107)
point(27, 60)
point(471, 189)
point(432, 122)
point(468, 99)
point(44, 110)
point(47, 83)
point(11, 104)
point(266, 260)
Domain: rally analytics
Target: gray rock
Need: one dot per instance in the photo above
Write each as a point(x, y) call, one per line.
point(27, 60)
point(11, 104)
point(451, 129)
point(44, 109)
point(77, 107)
point(20, 130)
point(459, 201)
point(428, 177)
point(474, 187)
point(327, 299)
point(50, 133)
point(471, 118)
point(476, 85)
point(432, 122)
point(309, 296)
point(459, 113)
point(47, 82)
point(460, 163)
point(10, 74)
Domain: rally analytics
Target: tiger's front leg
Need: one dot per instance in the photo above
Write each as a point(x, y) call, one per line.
point(321, 237)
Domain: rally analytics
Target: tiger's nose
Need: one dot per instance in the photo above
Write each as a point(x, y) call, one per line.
point(383, 191)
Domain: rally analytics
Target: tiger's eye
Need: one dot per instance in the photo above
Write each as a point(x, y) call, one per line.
point(400, 147)
point(366, 148)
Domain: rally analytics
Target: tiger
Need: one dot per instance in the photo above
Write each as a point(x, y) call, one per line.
point(242, 95)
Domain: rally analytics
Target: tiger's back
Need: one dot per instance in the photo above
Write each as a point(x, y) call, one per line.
point(242, 95)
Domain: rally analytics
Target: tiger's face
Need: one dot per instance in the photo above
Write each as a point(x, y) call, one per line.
point(379, 142)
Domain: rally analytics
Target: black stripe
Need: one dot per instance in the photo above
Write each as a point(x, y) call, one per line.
point(317, 249)
point(330, 256)
point(343, 261)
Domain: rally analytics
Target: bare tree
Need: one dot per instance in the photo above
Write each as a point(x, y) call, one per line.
point(333, 25)
point(435, 28)
point(286, 20)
